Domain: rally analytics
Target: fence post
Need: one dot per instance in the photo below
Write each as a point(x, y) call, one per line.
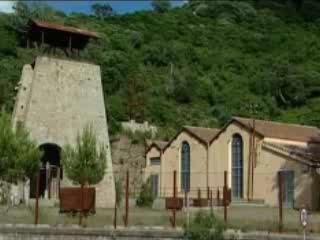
point(81, 203)
point(218, 197)
point(49, 182)
point(127, 200)
point(211, 199)
point(115, 213)
point(199, 197)
point(225, 193)
point(36, 209)
point(280, 186)
point(58, 179)
point(174, 198)
point(208, 193)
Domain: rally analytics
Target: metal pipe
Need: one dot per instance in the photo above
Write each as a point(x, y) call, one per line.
point(127, 201)
point(36, 209)
point(174, 198)
point(280, 186)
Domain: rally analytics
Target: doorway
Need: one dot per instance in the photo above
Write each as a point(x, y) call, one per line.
point(288, 189)
point(50, 163)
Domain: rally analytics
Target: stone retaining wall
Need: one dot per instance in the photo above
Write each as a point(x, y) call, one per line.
point(30, 232)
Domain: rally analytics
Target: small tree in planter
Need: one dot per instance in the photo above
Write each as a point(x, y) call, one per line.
point(85, 162)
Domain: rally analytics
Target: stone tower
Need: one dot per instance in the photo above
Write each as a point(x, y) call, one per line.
point(56, 99)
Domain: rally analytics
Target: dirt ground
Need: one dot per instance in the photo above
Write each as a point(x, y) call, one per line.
point(239, 217)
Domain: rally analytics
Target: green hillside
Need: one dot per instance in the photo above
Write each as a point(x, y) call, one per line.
point(196, 65)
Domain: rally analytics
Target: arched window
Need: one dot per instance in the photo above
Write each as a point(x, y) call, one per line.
point(185, 167)
point(237, 166)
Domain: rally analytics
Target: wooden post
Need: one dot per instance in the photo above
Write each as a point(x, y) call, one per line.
point(42, 38)
point(218, 197)
point(70, 43)
point(115, 213)
point(253, 156)
point(185, 198)
point(81, 204)
point(127, 201)
point(174, 197)
point(49, 182)
point(225, 193)
point(211, 199)
point(36, 209)
point(58, 179)
point(280, 186)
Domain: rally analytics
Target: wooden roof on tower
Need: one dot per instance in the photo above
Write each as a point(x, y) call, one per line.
point(58, 35)
point(62, 28)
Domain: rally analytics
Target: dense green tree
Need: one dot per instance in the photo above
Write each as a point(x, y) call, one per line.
point(19, 156)
point(102, 10)
point(198, 64)
point(161, 6)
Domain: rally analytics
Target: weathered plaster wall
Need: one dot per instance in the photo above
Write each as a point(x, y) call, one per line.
point(60, 99)
point(172, 161)
point(305, 180)
point(220, 156)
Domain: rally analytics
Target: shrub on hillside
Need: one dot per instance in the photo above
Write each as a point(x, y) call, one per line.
point(146, 197)
point(204, 226)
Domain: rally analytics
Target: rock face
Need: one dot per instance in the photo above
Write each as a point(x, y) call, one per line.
point(56, 99)
point(128, 155)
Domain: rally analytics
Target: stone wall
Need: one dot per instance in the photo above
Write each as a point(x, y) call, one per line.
point(133, 126)
point(56, 99)
point(128, 156)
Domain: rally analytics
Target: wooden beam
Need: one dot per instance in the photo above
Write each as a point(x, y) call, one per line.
point(42, 38)
point(70, 42)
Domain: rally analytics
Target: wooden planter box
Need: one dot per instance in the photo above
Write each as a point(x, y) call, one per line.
point(70, 199)
point(174, 204)
point(203, 202)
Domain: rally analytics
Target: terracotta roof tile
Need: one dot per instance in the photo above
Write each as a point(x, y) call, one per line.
point(205, 134)
point(307, 152)
point(160, 144)
point(279, 130)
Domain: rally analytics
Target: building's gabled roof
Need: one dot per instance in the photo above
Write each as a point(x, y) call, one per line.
point(62, 28)
point(203, 135)
point(279, 130)
point(160, 145)
point(270, 129)
point(308, 154)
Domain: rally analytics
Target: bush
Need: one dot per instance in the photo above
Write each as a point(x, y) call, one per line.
point(204, 226)
point(146, 197)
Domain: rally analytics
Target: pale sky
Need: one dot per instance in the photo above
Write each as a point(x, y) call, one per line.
point(6, 6)
point(120, 6)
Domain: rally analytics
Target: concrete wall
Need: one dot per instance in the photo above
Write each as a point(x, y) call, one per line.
point(172, 161)
point(61, 98)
